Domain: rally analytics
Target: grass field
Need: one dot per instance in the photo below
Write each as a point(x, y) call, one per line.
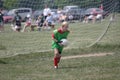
point(28, 55)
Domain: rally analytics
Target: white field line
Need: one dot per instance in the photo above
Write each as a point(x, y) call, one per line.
point(86, 55)
point(15, 54)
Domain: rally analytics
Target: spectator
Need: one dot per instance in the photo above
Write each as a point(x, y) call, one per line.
point(1, 21)
point(101, 6)
point(49, 22)
point(41, 22)
point(63, 17)
point(86, 18)
point(17, 22)
point(91, 16)
point(46, 11)
point(36, 24)
point(59, 12)
point(99, 17)
point(94, 13)
point(70, 18)
point(28, 22)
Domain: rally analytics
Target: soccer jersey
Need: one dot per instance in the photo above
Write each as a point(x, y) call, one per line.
point(42, 19)
point(58, 35)
point(17, 19)
point(46, 11)
point(49, 19)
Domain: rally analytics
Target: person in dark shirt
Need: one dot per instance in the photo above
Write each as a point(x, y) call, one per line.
point(1, 21)
point(41, 20)
point(17, 22)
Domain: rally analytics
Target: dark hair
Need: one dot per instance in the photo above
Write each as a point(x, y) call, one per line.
point(16, 12)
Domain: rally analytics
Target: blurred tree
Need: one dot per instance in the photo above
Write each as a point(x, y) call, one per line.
point(39, 4)
point(7, 4)
point(1, 3)
point(34, 4)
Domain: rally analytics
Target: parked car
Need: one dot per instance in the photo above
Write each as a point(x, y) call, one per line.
point(23, 12)
point(54, 10)
point(37, 13)
point(80, 13)
point(76, 13)
point(69, 8)
point(7, 18)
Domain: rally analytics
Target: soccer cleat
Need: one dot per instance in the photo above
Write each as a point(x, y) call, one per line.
point(56, 67)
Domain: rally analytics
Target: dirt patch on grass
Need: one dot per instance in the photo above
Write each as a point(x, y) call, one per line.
point(87, 55)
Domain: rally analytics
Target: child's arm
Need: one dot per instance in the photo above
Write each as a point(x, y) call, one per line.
point(53, 37)
point(59, 42)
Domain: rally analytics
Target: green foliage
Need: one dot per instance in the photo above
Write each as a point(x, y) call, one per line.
point(39, 4)
point(34, 4)
point(9, 4)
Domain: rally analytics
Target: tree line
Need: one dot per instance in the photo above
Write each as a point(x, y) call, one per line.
point(39, 4)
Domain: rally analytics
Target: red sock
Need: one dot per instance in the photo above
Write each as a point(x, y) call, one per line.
point(55, 61)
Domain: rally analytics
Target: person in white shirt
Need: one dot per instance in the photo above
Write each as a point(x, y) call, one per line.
point(46, 11)
point(49, 22)
point(59, 12)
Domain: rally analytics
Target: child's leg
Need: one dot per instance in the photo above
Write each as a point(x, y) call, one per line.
point(56, 57)
point(18, 30)
point(38, 27)
point(24, 28)
point(32, 27)
point(44, 25)
point(13, 28)
point(52, 26)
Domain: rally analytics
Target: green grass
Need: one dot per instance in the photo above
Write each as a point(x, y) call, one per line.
point(26, 60)
point(36, 66)
point(82, 35)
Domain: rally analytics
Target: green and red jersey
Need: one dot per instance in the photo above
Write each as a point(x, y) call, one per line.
point(58, 34)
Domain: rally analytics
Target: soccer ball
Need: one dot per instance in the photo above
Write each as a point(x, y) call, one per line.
point(64, 42)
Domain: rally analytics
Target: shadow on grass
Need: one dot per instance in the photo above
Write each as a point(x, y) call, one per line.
point(104, 47)
point(111, 46)
point(2, 62)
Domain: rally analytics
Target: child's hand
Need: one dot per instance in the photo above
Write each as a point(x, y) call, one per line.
point(60, 43)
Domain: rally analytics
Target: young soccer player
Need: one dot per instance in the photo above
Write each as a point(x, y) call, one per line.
point(49, 22)
point(41, 20)
point(27, 23)
point(57, 35)
point(17, 22)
